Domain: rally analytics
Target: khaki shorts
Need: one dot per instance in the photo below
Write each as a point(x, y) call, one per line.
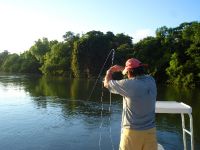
point(138, 140)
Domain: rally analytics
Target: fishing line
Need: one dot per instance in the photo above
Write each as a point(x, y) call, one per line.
point(102, 108)
point(110, 129)
point(101, 124)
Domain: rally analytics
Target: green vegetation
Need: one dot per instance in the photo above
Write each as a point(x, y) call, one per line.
point(173, 54)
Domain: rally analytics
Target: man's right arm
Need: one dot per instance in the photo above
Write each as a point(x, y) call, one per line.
point(108, 77)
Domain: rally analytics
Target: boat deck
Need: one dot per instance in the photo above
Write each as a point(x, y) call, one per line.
point(173, 107)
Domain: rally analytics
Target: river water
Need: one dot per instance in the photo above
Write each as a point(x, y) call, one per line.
point(48, 113)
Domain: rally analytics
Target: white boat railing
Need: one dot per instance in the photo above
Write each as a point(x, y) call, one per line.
point(173, 107)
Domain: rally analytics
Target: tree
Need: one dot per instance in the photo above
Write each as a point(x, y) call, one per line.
point(123, 39)
point(70, 37)
point(185, 64)
point(11, 64)
point(123, 52)
point(3, 56)
point(57, 61)
point(173, 55)
point(75, 64)
point(89, 54)
point(40, 48)
point(151, 51)
point(29, 63)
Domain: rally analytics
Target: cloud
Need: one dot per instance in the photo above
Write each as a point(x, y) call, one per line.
point(142, 33)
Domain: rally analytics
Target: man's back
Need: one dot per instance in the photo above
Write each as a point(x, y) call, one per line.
point(139, 96)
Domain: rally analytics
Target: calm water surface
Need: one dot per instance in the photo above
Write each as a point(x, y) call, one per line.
point(43, 113)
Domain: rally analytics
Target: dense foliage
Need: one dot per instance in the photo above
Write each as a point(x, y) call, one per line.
point(173, 54)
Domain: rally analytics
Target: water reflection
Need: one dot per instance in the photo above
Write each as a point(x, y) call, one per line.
point(61, 105)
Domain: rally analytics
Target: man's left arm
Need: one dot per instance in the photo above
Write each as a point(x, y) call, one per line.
point(107, 78)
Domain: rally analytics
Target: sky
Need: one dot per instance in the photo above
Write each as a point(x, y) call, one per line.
point(22, 22)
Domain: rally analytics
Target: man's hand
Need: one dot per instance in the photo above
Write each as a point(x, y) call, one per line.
point(108, 77)
point(116, 68)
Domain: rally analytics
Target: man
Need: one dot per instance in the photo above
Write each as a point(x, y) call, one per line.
point(139, 97)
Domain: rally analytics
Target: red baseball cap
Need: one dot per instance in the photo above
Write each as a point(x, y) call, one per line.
point(131, 64)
